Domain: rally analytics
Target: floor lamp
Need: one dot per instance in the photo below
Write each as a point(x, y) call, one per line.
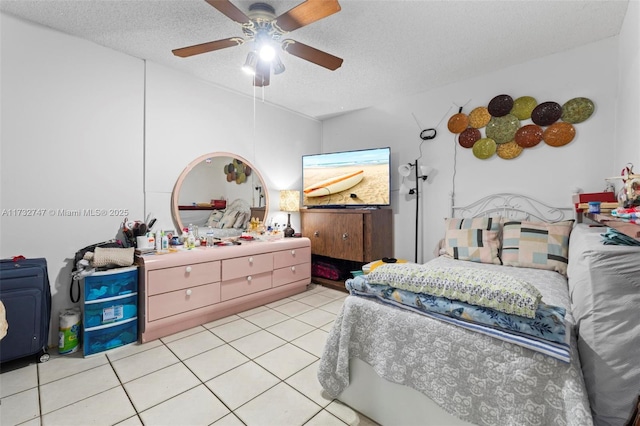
point(421, 173)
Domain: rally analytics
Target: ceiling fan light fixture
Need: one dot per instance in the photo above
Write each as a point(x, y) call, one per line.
point(249, 66)
point(267, 52)
point(278, 66)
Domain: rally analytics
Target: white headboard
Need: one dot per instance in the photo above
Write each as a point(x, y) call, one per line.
point(514, 206)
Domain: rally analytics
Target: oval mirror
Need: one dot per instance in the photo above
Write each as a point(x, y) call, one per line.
point(218, 183)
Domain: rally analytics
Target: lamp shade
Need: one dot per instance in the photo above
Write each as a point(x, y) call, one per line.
point(289, 200)
point(426, 170)
point(404, 170)
point(250, 64)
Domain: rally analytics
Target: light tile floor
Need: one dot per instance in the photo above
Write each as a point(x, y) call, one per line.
point(254, 368)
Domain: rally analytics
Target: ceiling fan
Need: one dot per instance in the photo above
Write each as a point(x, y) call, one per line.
point(262, 27)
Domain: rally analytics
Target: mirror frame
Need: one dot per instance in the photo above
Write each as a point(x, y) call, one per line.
point(176, 188)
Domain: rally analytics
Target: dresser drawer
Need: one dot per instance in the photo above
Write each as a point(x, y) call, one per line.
point(99, 339)
point(291, 257)
point(291, 274)
point(179, 301)
point(116, 309)
point(245, 266)
point(179, 277)
point(111, 283)
point(245, 285)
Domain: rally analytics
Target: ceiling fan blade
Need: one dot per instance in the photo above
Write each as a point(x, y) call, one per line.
point(263, 71)
point(311, 54)
point(306, 13)
point(230, 11)
point(197, 49)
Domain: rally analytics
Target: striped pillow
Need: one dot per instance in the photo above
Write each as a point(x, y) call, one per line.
point(475, 240)
point(537, 245)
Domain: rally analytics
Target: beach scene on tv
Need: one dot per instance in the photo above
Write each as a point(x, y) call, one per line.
point(346, 178)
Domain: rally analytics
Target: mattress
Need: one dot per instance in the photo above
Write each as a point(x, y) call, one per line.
point(604, 285)
point(475, 377)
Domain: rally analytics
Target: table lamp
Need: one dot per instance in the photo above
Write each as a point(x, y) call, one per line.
point(289, 202)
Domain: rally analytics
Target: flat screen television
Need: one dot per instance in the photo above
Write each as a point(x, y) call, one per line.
point(359, 178)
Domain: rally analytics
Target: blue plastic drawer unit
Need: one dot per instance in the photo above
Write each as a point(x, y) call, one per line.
point(110, 309)
point(111, 283)
point(103, 338)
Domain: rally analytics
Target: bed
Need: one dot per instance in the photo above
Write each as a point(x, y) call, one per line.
point(604, 284)
point(230, 222)
point(393, 358)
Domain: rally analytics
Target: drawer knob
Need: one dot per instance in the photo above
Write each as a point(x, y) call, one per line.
point(251, 260)
point(188, 292)
point(345, 236)
point(316, 234)
point(293, 252)
point(293, 269)
point(249, 278)
point(188, 269)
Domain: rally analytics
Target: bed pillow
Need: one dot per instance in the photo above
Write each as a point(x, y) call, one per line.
point(241, 220)
point(537, 245)
point(228, 219)
point(475, 240)
point(214, 218)
point(480, 287)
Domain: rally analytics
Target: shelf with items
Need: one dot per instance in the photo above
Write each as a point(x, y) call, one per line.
point(630, 229)
point(200, 208)
point(608, 202)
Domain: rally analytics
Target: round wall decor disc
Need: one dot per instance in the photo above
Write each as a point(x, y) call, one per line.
point(503, 129)
point(479, 117)
point(500, 105)
point(559, 134)
point(577, 110)
point(509, 150)
point(484, 148)
point(529, 136)
point(458, 122)
point(546, 113)
point(469, 137)
point(523, 106)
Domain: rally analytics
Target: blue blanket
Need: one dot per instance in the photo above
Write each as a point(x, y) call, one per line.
point(545, 333)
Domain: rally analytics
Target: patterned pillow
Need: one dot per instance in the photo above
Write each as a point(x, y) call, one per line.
point(241, 220)
point(214, 218)
point(476, 240)
point(228, 219)
point(480, 287)
point(538, 245)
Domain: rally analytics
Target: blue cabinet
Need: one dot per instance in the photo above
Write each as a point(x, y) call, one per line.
point(110, 310)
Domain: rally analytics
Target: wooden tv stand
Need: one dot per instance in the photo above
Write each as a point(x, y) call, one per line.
point(357, 235)
point(181, 290)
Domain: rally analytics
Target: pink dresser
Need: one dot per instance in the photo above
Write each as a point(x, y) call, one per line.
point(181, 290)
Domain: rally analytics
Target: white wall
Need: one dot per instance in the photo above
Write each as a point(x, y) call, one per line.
point(543, 172)
point(627, 140)
point(187, 118)
point(72, 134)
point(85, 127)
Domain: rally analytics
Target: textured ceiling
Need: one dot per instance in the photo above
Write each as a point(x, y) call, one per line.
point(390, 48)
